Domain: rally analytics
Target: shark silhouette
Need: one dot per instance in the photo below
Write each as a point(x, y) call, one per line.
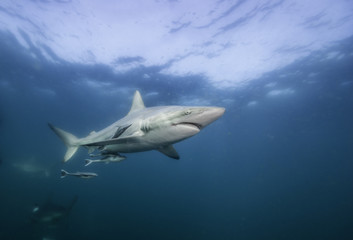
point(51, 213)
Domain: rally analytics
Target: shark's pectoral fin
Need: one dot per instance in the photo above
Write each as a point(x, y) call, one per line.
point(169, 151)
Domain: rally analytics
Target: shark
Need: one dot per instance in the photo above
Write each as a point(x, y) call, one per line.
point(51, 213)
point(143, 129)
point(32, 167)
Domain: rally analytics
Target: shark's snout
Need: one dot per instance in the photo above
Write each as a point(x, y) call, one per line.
point(209, 115)
point(218, 111)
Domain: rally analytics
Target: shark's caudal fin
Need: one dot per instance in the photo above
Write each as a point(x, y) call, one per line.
point(69, 140)
point(73, 202)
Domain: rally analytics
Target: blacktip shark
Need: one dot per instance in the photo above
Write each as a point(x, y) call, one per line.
point(50, 212)
point(144, 129)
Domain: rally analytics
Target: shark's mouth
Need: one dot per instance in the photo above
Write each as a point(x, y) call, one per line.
point(198, 126)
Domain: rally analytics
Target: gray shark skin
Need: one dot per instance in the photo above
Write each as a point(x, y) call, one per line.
point(144, 129)
point(51, 213)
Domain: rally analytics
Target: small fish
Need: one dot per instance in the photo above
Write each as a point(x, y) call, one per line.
point(106, 159)
point(78, 174)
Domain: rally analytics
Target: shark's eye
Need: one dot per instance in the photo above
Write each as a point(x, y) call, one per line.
point(187, 112)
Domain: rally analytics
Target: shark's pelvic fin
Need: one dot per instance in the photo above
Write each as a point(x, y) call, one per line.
point(169, 151)
point(69, 140)
point(91, 149)
point(137, 103)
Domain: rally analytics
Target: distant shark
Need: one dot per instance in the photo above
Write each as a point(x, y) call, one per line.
point(51, 213)
point(32, 167)
point(144, 129)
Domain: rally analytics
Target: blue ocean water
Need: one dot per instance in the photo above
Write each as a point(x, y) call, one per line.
point(277, 165)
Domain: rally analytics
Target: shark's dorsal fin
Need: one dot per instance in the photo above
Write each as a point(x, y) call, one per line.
point(137, 103)
point(169, 151)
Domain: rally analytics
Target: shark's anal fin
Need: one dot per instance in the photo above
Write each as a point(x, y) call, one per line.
point(169, 151)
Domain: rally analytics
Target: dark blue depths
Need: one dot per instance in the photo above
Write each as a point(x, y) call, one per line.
point(277, 168)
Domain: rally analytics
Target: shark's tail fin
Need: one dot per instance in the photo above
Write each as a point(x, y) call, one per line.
point(63, 173)
point(73, 202)
point(88, 162)
point(69, 140)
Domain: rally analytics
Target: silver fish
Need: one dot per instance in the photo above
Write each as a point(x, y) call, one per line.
point(105, 159)
point(78, 174)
